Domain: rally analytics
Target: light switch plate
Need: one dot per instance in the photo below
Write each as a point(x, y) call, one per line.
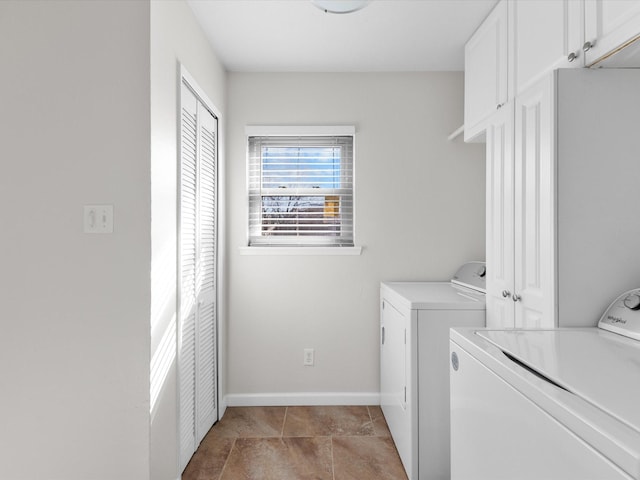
point(98, 219)
point(309, 354)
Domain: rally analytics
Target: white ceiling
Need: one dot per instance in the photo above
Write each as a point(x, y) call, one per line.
point(296, 36)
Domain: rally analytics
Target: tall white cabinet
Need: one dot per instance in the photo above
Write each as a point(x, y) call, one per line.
point(500, 227)
point(533, 293)
point(520, 211)
point(536, 198)
point(572, 181)
point(197, 346)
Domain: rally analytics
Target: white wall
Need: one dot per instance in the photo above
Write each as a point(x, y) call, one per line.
point(74, 347)
point(175, 37)
point(419, 215)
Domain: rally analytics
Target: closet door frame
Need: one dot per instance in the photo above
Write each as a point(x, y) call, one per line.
point(185, 78)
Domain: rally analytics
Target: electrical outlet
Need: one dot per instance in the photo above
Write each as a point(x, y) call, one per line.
point(308, 357)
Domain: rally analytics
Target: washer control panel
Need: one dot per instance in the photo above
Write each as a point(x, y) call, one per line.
point(623, 315)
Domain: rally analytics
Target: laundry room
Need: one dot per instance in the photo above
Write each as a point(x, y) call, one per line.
point(230, 202)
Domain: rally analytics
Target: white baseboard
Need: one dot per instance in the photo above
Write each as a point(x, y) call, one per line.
point(298, 399)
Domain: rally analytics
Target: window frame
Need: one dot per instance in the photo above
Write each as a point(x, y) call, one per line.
point(290, 246)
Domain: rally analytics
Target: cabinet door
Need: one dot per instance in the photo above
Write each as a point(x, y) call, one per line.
point(500, 220)
point(393, 381)
point(393, 365)
point(485, 66)
point(534, 293)
point(547, 34)
point(609, 24)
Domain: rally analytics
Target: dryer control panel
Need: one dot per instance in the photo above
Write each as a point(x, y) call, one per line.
point(472, 275)
point(623, 315)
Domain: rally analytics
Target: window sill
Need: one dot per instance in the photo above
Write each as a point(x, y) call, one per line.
point(300, 250)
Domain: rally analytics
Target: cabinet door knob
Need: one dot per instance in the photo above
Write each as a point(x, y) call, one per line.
point(499, 106)
point(382, 335)
point(588, 46)
point(506, 293)
point(516, 298)
point(572, 56)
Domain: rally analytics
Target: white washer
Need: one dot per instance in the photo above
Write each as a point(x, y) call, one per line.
point(548, 404)
point(414, 356)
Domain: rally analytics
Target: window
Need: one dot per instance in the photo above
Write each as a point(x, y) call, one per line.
point(300, 186)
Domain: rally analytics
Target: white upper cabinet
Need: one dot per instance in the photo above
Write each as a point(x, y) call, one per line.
point(609, 25)
point(523, 40)
point(485, 87)
point(546, 34)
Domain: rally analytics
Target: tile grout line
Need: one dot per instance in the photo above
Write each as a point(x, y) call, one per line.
point(333, 463)
point(226, 460)
point(284, 420)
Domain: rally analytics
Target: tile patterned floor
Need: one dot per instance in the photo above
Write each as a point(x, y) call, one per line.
point(297, 443)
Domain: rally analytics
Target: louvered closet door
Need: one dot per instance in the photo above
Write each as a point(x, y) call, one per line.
point(187, 276)
point(197, 273)
point(206, 275)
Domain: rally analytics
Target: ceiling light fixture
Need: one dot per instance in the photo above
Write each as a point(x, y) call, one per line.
point(340, 6)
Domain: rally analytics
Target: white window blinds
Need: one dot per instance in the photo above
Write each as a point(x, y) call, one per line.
point(301, 190)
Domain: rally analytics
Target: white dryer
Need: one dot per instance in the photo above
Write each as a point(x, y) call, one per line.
point(414, 356)
point(548, 404)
